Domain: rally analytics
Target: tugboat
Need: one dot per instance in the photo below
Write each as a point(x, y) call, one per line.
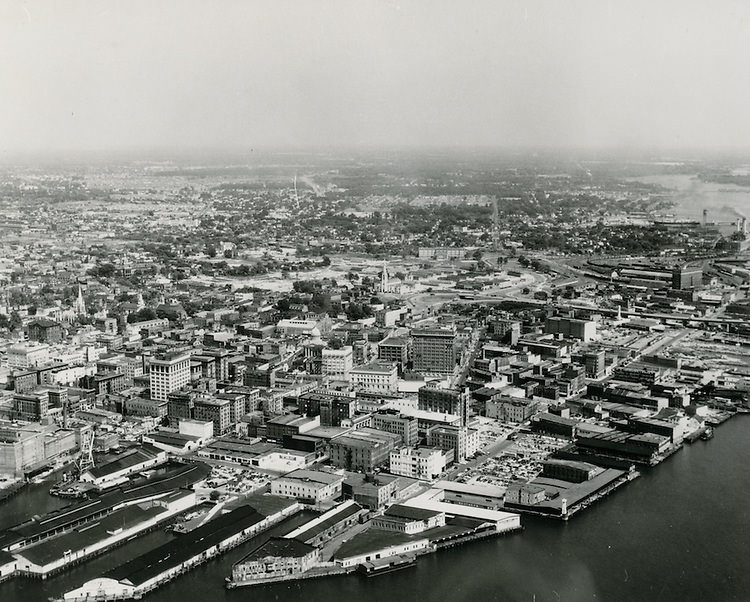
point(707, 434)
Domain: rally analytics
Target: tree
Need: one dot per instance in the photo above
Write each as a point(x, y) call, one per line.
point(211, 251)
point(15, 321)
point(358, 311)
point(142, 315)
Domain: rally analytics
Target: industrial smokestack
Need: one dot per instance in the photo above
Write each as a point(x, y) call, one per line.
point(705, 217)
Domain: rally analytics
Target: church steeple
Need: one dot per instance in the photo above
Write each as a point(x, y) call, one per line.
point(80, 304)
point(384, 277)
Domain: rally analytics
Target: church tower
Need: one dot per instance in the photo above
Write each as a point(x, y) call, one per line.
point(80, 304)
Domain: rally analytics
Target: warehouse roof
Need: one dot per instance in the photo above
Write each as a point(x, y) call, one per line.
point(172, 554)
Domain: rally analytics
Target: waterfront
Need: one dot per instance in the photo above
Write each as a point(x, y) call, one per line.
point(678, 533)
point(724, 202)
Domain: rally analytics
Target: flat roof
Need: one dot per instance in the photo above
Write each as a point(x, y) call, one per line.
point(329, 519)
point(144, 453)
point(172, 438)
point(54, 548)
point(279, 547)
point(312, 476)
point(410, 512)
point(372, 540)
point(172, 554)
point(481, 489)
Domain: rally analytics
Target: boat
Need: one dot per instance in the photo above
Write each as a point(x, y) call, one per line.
point(707, 434)
point(386, 565)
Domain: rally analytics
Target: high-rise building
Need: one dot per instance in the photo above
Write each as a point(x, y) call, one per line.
point(454, 401)
point(375, 377)
point(394, 349)
point(31, 406)
point(462, 440)
point(169, 372)
point(504, 330)
point(434, 350)
point(217, 411)
point(687, 277)
point(393, 421)
point(571, 328)
point(337, 363)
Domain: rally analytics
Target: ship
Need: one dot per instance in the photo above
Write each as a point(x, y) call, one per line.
point(707, 434)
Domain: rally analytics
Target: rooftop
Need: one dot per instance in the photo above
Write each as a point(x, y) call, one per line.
point(279, 547)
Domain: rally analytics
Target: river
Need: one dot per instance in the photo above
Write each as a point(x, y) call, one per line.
point(680, 532)
point(724, 202)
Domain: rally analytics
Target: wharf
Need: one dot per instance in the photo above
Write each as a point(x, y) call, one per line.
point(324, 570)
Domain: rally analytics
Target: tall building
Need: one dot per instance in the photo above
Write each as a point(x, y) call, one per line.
point(337, 363)
point(687, 277)
point(169, 372)
point(434, 350)
point(375, 377)
point(217, 411)
point(393, 421)
point(363, 449)
point(594, 363)
point(571, 328)
point(394, 349)
point(31, 406)
point(463, 441)
point(504, 330)
point(445, 401)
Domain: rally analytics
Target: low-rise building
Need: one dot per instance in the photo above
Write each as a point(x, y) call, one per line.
point(419, 463)
point(409, 520)
point(277, 557)
point(308, 486)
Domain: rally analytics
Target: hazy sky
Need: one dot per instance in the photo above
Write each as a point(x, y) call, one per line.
point(98, 74)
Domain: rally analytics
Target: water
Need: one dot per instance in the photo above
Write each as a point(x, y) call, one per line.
point(724, 202)
point(680, 532)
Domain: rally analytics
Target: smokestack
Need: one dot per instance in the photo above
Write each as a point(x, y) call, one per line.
point(739, 224)
point(744, 226)
point(705, 217)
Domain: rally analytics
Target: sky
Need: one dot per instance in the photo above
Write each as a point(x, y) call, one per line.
point(192, 74)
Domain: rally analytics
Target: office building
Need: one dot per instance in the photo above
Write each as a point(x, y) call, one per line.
point(337, 363)
point(455, 401)
point(168, 372)
point(375, 377)
point(434, 350)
